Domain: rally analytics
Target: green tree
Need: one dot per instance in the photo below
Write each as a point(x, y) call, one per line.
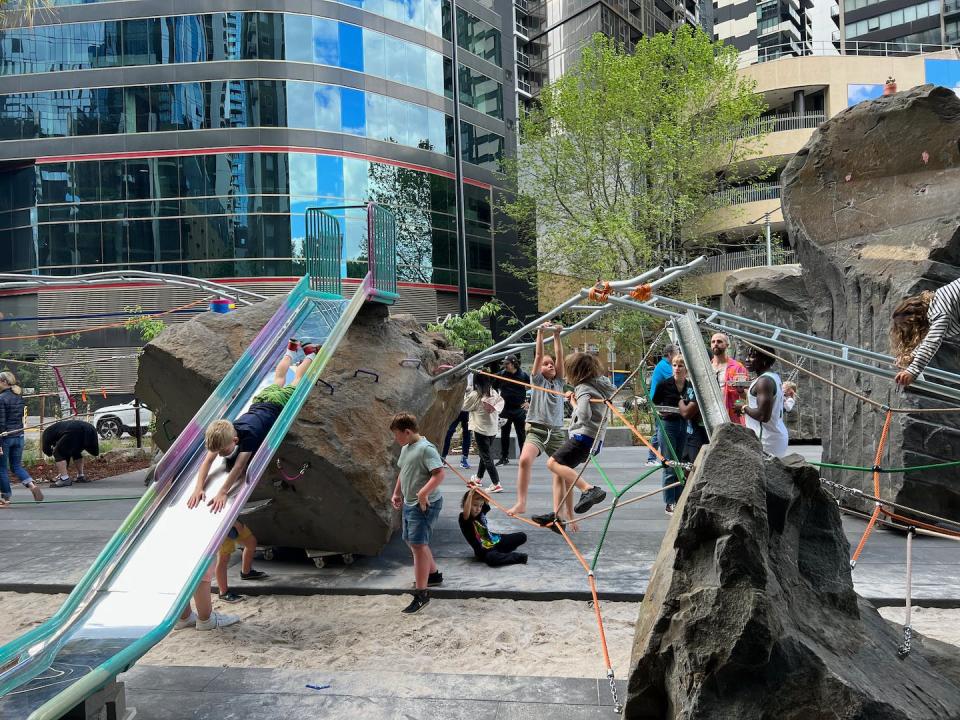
point(147, 326)
point(467, 331)
point(623, 151)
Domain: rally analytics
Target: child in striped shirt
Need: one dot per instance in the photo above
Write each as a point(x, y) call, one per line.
point(920, 325)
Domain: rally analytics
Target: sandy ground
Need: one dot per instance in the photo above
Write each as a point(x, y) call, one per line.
point(356, 633)
point(453, 636)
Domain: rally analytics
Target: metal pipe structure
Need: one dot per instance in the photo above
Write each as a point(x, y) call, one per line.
point(14, 280)
point(705, 386)
point(495, 351)
point(774, 341)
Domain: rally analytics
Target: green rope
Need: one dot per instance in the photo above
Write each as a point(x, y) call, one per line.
point(603, 534)
point(640, 479)
point(613, 489)
point(859, 468)
point(34, 503)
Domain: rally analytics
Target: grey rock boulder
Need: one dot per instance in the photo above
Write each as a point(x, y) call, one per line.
point(342, 503)
point(751, 613)
point(870, 204)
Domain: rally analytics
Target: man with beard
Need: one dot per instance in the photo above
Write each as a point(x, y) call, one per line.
point(729, 372)
point(764, 411)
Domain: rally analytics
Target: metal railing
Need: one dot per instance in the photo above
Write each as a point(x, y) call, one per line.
point(851, 47)
point(662, 17)
point(752, 193)
point(755, 257)
point(779, 123)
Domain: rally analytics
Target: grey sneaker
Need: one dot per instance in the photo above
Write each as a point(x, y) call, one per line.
point(186, 622)
point(216, 621)
point(590, 498)
point(62, 482)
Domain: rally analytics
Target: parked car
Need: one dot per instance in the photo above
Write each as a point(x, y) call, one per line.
point(115, 420)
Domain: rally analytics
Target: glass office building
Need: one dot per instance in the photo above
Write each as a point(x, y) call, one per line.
point(193, 144)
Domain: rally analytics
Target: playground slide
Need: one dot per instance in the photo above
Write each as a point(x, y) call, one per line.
point(133, 594)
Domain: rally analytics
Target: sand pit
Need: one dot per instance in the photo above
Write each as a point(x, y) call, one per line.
point(937, 623)
point(369, 632)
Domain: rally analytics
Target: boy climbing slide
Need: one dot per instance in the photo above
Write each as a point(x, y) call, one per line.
point(239, 440)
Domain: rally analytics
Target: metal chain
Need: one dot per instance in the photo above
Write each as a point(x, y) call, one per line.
point(904, 649)
point(617, 707)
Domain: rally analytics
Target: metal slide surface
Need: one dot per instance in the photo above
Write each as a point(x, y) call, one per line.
point(132, 595)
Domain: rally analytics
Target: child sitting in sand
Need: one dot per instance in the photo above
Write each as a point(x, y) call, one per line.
point(239, 534)
point(239, 440)
point(494, 549)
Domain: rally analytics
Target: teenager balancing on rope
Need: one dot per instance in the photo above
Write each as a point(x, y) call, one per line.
point(920, 325)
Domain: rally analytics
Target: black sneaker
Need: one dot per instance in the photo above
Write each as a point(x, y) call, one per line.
point(420, 600)
point(550, 519)
point(231, 597)
point(82, 479)
point(590, 498)
point(253, 575)
point(669, 509)
point(502, 461)
point(433, 579)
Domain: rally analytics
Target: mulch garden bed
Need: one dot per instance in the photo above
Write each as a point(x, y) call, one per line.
point(93, 469)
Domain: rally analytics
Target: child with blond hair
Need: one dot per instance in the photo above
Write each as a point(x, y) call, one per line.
point(239, 440)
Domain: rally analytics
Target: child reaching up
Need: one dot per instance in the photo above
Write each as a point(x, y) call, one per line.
point(586, 375)
point(920, 325)
point(239, 440)
point(494, 549)
point(484, 405)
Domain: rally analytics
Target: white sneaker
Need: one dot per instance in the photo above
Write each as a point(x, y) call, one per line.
point(186, 622)
point(477, 481)
point(216, 620)
point(496, 488)
point(653, 463)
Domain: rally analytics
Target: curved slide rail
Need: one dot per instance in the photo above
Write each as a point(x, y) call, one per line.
point(133, 593)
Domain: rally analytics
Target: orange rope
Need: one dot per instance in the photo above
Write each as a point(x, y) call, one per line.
point(636, 432)
point(528, 385)
point(489, 499)
point(600, 292)
point(102, 327)
point(876, 488)
point(642, 292)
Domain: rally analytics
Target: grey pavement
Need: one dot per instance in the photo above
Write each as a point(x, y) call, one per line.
point(205, 693)
point(48, 547)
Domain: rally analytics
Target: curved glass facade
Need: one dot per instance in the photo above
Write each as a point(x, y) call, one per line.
point(241, 36)
point(241, 104)
point(230, 215)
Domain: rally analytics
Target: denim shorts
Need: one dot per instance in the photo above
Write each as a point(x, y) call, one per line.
point(417, 524)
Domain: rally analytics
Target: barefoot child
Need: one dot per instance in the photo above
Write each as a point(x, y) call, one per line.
point(417, 492)
point(239, 534)
point(586, 374)
point(494, 549)
point(920, 325)
point(239, 440)
point(545, 422)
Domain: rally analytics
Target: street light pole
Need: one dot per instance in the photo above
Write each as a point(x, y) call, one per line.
point(463, 302)
point(769, 244)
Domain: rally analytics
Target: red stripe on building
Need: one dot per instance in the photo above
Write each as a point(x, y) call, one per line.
point(130, 155)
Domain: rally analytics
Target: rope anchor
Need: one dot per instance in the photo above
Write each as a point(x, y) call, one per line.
point(292, 478)
point(376, 376)
point(617, 707)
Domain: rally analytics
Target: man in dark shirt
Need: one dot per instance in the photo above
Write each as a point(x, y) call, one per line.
point(514, 406)
point(65, 441)
point(494, 549)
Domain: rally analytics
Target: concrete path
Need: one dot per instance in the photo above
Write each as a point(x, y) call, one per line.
point(203, 693)
point(47, 548)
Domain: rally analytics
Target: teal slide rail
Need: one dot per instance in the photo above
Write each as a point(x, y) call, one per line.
point(75, 625)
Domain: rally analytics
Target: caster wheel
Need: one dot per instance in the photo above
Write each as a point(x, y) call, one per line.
point(268, 554)
point(348, 559)
point(320, 562)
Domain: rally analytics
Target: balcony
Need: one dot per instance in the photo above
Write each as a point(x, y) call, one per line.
point(661, 17)
point(752, 193)
point(523, 60)
point(782, 123)
point(756, 257)
point(834, 11)
point(523, 88)
point(951, 7)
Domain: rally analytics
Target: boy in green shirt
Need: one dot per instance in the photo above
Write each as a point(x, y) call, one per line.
point(417, 492)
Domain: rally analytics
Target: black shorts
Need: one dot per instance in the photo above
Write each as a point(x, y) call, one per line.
point(572, 453)
point(68, 447)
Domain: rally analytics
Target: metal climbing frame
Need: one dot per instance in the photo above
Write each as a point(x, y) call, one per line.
point(939, 383)
point(322, 249)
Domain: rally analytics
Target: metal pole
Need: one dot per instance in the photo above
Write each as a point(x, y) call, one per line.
point(136, 419)
point(463, 302)
point(769, 244)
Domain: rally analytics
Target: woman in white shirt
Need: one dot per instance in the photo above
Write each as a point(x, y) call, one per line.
point(484, 405)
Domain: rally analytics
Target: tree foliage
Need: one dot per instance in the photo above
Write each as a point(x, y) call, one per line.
point(621, 152)
point(467, 331)
point(146, 326)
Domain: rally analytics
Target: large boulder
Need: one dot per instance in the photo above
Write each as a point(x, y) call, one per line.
point(778, 296)
point(341, 504)
point(751, 613)
point(871, 207)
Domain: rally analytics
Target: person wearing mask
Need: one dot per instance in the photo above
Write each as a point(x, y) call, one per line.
point(514, 406)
